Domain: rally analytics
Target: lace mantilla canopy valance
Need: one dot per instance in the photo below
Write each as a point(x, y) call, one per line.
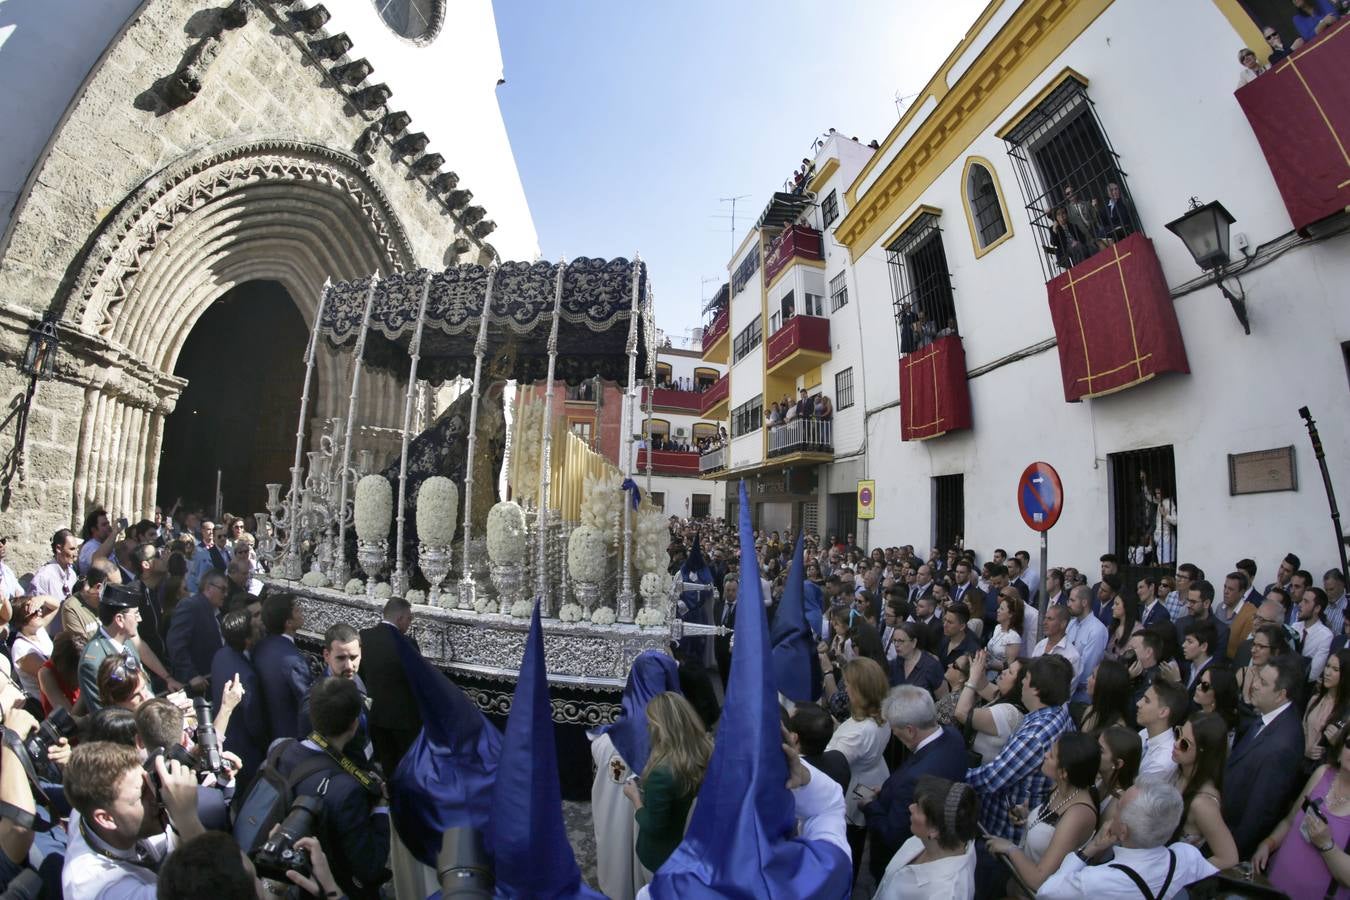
point(597, 305)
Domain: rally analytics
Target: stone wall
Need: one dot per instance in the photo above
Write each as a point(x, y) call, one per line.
point(126, 266)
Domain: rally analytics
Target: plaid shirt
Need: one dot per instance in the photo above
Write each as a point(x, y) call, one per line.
point(1014, 776)
point(1175, 605)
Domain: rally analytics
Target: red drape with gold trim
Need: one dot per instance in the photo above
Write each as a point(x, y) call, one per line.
point(934, 394)
point(1114, 321)
point(1300, 113)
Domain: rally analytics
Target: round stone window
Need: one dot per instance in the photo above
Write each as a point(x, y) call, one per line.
point(414, 20)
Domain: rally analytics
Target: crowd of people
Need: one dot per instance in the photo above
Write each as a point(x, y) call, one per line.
point(787, 410)
point(1110, 736)
point(1307, 18)
point(150, 684)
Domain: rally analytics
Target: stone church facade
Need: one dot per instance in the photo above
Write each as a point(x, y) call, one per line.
point(209, 147)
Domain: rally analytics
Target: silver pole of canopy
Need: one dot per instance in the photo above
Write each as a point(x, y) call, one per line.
point(625, 603)
point(545, 450)
point(399, 580)
point(466, 586)
point(291, 565)
point(647, 430)
point(340, 570)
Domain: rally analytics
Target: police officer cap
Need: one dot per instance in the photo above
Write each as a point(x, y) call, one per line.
point(120, 596)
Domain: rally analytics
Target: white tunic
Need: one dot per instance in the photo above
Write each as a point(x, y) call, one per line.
point(619, 873)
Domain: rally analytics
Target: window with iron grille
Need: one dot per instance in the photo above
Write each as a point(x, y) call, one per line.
point(749, 338)
point(949, 510)
point(1077, 198)
point(745, 271)
point(829, 209)
point(748, 417)
point(1144, 526)
point(922, 286)
point(838, 292)
point(843, 388)
point(985, 209)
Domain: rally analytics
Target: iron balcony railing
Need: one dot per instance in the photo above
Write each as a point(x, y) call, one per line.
point(802, 436)
point(712, 460)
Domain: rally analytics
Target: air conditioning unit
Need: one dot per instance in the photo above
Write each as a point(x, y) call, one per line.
point(681, 432)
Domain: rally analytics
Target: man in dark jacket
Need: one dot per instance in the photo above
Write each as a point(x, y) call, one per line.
point(194, 630)
point(247, 734)
point(933, 750)
point(393, 719)
point(277, 657)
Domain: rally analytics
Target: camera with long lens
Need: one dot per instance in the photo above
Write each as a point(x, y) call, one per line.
point(58, 725)
point(176, 753)
point(279, 854)
point(208, 742)
point(463, 867)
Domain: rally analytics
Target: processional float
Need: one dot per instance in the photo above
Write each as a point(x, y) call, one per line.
point(578, 532)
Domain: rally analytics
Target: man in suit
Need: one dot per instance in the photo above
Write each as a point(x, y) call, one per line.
point(933, 750)
point(957, 640)
point(1116, 217)
point(923, 584)
point(342, 659)
point(1110, 573)
point(194, 631)
point(964, 581)
point(1198, 651)
point(393, 719)
point(287, 680)
point(1015, 571)
point(724, 614)
point(1151, 609)
point(1233, 610)
point(1199, 599)
point(1248, 568)
point(929, 622)
point(1262, 767)
point(1055, 593)
point(247, 733)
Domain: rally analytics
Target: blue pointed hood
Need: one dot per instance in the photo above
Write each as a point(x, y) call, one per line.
point(740, 841)
point(792, 643)
point(695, 568)
point(532, 857)
point(653, 673)
point(445, 779)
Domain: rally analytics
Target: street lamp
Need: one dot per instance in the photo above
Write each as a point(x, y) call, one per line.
point(1204, 229)
point(39, 364)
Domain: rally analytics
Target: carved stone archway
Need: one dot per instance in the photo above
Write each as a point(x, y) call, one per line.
point(279, 210)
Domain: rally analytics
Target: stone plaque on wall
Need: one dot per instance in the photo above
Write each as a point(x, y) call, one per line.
point(1262, 471)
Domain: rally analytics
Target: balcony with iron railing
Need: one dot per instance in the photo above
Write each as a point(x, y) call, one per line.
point(714, 402)
point(793, 244)
point(690, 401)
point(799, 345)
point(807, 436)
point(716, 340)
point(669, 462)
point(714, 460)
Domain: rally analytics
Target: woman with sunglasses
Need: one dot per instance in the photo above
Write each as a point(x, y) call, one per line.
point(30, 644)
point(949, 692)
point(121, 682)
point(1200, 750)
point(1305, 855)
point(1328, 709)
point(1000, 712)
point(1217, 693)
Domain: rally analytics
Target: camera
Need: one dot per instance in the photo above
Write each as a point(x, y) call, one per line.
point(56, 726)
point(208, 742)
point(1129, 657)
point(463, 867)
point(279, 854)
point(175, 752)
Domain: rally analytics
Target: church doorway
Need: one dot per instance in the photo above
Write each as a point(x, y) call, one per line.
point(244, 364)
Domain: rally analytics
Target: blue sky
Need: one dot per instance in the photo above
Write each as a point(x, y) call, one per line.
point(630, 120)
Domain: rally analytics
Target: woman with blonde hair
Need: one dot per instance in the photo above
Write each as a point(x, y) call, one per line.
point(862, 738)
point(662, 798)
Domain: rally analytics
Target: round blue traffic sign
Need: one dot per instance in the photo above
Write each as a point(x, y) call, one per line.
point(1040, 496)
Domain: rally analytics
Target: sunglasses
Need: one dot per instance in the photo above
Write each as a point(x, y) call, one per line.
point(126, 669)
point(1204, 686)
point(1183, 744)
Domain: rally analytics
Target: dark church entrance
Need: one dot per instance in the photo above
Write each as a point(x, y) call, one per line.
point(245, 368)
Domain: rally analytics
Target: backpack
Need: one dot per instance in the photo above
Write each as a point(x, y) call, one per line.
point(270, 795)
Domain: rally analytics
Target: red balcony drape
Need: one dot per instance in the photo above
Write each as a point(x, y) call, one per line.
point(1300, 114)
point(934, 393)
point(1114, 321)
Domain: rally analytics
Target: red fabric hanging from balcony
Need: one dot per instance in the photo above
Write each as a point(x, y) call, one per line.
point(1114, 321)
point(1300, 113)
point(934, 394)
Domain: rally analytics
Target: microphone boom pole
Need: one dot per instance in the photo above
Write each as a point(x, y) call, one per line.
point(1326, 482)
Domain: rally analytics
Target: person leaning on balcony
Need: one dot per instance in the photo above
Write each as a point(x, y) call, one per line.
point(1067, 240)
point(1311, 18)
point(1251, 67)
point(1116, 217)
point(824, 409)
point(1278, 50)
point(805, 408)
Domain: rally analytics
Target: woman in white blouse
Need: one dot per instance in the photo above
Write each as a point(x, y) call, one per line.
point(1005, 644)
point(999, 711)
point(938, 862)
point(862, 738)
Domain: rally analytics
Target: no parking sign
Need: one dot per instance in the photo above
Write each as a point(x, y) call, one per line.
point(867, 499)
point(1040, 496)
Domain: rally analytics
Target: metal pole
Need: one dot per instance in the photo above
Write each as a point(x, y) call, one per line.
point(415, 351)
point(545, 447)
point(1040, 588)
point(291, 566)
point(1326, 483)
point(466, 585)
point(625, 610)
point(647, 429)
point(340, 563)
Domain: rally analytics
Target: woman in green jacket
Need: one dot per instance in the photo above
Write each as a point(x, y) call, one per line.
point(670, 780)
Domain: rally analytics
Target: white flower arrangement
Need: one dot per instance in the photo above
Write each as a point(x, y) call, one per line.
point(374, 508)
point(602, 616)
point(586, 554)
point(482, 603)
point(383, 591)
point(651, 617)
point(506, 533)
point(570, 612)
point(314, 578)
point(652, 538)
point(603, 507)
point(355, 587)
point(654, 586)
point(415, 596)
point(522, 609)
point(437, 508)
point(525, 450)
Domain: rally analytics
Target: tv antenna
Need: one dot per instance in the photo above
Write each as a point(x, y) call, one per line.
point(732, 201)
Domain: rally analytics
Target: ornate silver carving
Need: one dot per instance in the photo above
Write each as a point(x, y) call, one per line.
point(372, 555)
point(435, 565)
point(565, 712)
point(587, 594)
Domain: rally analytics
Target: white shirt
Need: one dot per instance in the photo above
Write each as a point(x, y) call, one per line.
point(89, 875)
point(1075, 879)
point(863, 743)
point(1064, 649)
point(949, 878)
point(1157, 758)
point(86, 555)
point(1316, 646)
point(39, 645)
point(54, 581)
point(9, 583)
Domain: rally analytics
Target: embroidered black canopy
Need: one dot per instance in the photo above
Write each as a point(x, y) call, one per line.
point(599, 298)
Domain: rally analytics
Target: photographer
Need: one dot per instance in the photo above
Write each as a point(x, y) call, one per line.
point(26, 831)
point(354, 827)
point(160, 728)
point(211, 865)
point(117, 802)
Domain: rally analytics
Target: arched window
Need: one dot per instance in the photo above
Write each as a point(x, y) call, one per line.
point(416, 20)
point(984, 206)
